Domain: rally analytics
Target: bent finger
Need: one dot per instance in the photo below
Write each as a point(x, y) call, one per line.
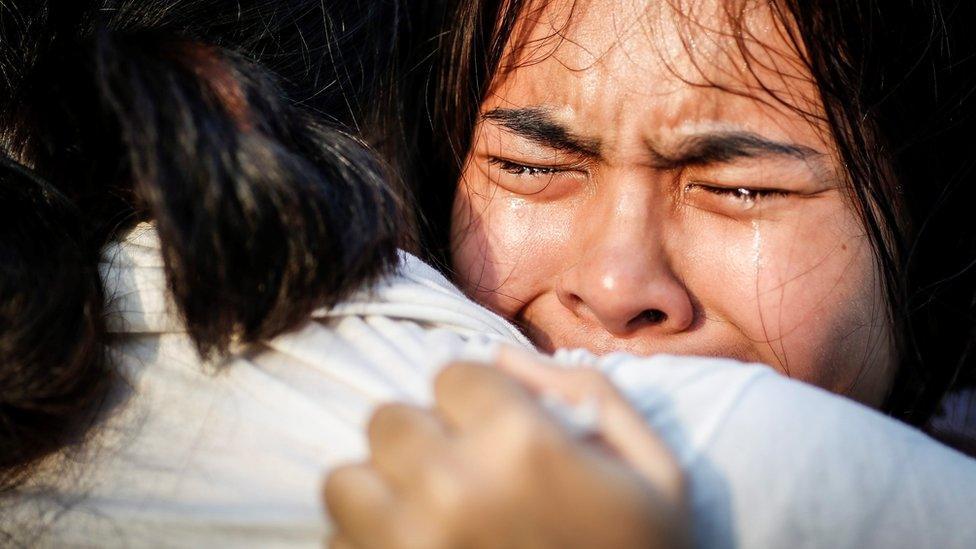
point(359, 501)
point(469, 395)
point(402, 438)
point(339, 541)
point(620, 425)
point(543, 376)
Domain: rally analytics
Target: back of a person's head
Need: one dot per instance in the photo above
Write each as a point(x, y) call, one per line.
point(114, 112)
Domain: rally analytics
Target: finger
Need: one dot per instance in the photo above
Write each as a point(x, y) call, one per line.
point(625, 430)
point(621, 427)
point(402, 438)
point(359, 502)
point(541, 375)
point(339, 541)
point(469, 395)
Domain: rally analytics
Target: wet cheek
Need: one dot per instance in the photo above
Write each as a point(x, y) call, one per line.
point(506, 249)
point(798, 295)
point(721, 268)
point(814, 295)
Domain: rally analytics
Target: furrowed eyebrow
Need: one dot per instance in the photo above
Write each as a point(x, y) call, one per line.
point(718, 148)
point(538, 125)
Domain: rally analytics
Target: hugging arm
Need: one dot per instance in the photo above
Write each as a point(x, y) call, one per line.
point(767, 461)
point(490, 467)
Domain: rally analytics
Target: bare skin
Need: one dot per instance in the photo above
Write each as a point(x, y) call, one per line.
point(613, 201)
point(633, 185)
point(488, 467)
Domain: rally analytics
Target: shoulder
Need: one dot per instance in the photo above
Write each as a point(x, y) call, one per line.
point(419, 294)
point(773, 461)
point(241, 444)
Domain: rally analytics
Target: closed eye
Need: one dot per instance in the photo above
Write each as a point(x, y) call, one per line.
point(742, 194)
point(515, 168)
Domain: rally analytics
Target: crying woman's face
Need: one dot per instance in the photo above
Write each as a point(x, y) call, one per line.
point(647, 182)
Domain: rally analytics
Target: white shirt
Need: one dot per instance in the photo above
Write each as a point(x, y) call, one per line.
point(233, 454)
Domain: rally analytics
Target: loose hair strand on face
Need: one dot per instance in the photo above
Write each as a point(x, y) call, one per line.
point(896, 80)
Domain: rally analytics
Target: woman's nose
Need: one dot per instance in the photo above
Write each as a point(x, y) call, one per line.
point(627, 288)
point(624, 303)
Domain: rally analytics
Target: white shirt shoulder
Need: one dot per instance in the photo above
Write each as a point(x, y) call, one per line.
point(235, 451)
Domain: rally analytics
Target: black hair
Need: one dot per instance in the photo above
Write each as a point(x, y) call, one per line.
point(204, 118)
point(898, 83)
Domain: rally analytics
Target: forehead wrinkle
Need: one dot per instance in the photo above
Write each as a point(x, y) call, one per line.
point(594, 98)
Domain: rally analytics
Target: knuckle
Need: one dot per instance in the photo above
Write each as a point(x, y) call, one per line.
point(446, 489)
point(337, 484)
point(523, 435)
point(384, 420)
point(410, 533)
point(455, 376)
point(512, 423)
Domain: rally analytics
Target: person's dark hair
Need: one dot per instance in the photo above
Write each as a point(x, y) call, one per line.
point(173, 111)
point(898, 83)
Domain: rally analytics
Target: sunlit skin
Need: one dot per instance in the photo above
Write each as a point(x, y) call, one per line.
point(612, 201)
